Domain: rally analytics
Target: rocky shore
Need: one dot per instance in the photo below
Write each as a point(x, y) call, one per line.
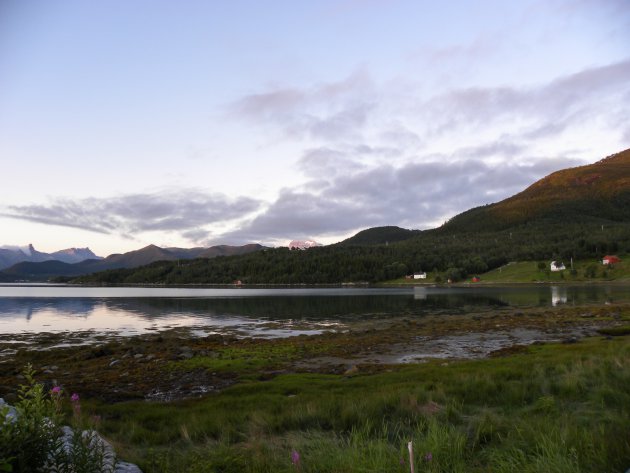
point(185, 363)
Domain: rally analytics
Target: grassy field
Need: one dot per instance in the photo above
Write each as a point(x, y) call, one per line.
point(583, 271)
point(556, 407)
point(551, 408)
point(529, 272)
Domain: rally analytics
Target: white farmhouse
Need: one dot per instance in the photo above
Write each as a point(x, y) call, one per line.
point(419, 275)
point(557, 266)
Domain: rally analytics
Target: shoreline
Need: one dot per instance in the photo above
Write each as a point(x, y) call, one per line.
point(114, 367)
point(385, 285)
point(170, 402)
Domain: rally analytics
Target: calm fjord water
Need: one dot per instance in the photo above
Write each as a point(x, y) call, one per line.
point(264, 312)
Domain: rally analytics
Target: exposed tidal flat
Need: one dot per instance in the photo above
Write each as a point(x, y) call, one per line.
point(487, 380)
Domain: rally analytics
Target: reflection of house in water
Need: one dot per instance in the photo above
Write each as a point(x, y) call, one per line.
point(420, 293)
point(558, 295)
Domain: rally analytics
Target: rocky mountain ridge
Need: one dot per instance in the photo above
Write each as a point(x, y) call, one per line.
point(43, 270)
point(10, 255)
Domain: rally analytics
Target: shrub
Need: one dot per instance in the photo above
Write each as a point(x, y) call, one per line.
point(27, 438)
point(590, 271)
point(32, 439)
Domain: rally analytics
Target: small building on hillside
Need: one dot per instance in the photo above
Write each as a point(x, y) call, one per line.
point(476, 279)
point(419, 275)
point(611, 259)
point(557, 266)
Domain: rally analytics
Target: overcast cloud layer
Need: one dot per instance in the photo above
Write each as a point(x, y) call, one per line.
point(183, 211)
point(309, 121)
point(390, 180)
point(368, 171)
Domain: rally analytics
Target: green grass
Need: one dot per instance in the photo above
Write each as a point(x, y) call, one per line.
point(615, 331)
point(555, 408)
point(527, 272)
point(247, 359)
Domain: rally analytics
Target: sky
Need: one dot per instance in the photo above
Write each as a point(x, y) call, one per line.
point(194, 123)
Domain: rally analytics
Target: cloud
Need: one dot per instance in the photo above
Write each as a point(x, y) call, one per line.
point(482, 46)
point(491, 136)
point(329, 111)
point(185, 212)
point(401, 135)
point(271, 105)
point(566, 100)
point(502, 147)
point(357, 113)
point(419, 194)
point(372, 160)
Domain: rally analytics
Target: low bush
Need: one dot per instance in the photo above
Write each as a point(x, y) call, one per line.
point(32, 439)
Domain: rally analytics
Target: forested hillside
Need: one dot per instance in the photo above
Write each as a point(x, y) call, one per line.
point(457, 254)
point(576, 213)
point(380, 236)
point(598, 192)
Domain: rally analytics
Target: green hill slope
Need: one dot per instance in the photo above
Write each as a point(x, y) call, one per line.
point(379, 236)
point(597, 193)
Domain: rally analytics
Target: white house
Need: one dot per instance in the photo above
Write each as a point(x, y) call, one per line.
point(419, 275)
point(557, 266)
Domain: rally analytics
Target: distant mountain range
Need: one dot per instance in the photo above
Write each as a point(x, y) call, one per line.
point(42, 268)
point(582, 212)
point(579, 213)
point(10, 255)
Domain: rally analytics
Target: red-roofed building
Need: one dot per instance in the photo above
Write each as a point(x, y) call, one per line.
point(611, 259)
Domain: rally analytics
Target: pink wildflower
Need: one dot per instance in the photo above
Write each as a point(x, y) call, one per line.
point(55, 394)
point(295, 457)
point(76, 405)
point(428, 457)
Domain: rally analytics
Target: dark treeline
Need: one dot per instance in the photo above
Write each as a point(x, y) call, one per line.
point(454, 254)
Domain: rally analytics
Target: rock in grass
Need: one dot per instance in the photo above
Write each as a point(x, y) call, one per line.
point(94, 442)
point(10, 414)
point(98, 444)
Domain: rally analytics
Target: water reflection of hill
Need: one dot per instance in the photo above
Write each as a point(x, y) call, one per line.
point(312, 308)
point(31, 306)
point(276, 308)
point(418, 302)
